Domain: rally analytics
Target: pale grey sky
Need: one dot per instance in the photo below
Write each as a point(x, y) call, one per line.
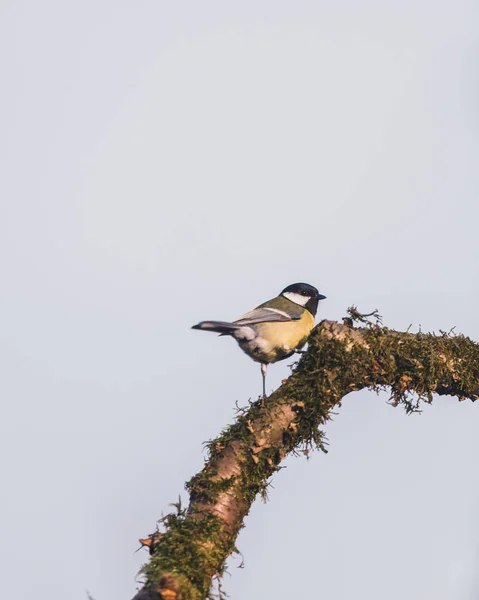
point(167, 162)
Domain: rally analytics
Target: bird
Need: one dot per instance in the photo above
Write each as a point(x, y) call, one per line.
point(274, 330)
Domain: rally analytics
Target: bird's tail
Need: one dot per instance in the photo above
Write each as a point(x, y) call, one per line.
point(222, 327)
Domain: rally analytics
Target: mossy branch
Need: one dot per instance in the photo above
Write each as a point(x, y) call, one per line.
point(196, 541)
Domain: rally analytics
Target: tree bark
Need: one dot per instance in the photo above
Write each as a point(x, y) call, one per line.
point(196, 541)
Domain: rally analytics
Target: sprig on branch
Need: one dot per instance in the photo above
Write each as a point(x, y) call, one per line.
point(356, 317)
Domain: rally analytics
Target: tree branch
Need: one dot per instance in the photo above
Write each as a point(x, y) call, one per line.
point(340, 359)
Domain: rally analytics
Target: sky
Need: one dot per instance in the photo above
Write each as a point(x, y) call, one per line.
point(164, 163)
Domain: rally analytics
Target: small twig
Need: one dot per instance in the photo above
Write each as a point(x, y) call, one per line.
point(358, 317)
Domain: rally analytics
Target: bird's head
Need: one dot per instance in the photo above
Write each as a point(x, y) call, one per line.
point(303, 294)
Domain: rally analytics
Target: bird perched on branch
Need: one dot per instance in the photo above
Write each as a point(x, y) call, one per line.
point(275, 329)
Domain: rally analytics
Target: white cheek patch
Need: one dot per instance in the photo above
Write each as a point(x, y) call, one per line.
point(297, 298)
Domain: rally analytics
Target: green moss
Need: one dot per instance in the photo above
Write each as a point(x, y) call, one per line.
point(205, 489)
point(185, 549)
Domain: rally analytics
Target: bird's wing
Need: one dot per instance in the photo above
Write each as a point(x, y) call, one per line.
point(265, 315)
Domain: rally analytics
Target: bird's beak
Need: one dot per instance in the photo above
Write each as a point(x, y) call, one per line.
point(320, 297)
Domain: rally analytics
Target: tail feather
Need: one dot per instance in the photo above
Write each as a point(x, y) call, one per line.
point(222, 327)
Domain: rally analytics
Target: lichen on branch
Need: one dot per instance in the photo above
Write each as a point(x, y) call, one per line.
point(195, 542)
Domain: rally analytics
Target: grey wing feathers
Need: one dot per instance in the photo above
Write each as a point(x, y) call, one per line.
point(222, 327)
point(258, 315)
point(264, 315)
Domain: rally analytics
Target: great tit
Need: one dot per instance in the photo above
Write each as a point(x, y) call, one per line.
point(275, 329)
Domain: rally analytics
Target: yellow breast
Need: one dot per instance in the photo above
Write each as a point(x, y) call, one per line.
point(280, 340)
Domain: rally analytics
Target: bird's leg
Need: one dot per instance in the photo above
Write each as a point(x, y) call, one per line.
point(263, 373)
